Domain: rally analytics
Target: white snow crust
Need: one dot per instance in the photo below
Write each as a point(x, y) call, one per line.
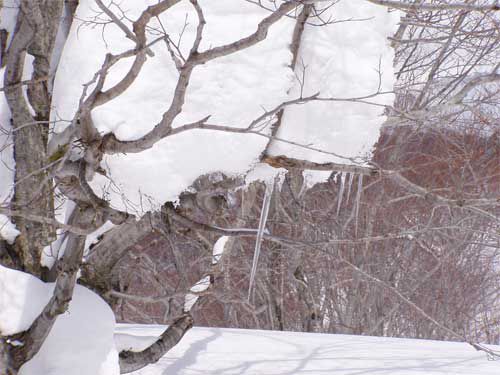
point(340, 60)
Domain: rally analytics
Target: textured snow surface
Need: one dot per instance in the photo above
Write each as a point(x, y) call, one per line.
point(341, 60)
point(81, 340)
point(215, 351)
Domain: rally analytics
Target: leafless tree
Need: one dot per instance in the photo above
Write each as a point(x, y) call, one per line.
point(441, 46)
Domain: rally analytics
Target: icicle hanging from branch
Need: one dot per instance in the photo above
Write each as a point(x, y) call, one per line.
point(358, 199)
point(349, 186)
point(341, 191)
point(260, 233)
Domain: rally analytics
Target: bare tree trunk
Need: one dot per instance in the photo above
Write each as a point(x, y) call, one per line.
point(36, 29)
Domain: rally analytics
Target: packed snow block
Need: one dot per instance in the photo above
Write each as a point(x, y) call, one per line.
point(81, 341)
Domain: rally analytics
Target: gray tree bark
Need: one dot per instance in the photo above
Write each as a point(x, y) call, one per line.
point(133, 361)
point(35, 33)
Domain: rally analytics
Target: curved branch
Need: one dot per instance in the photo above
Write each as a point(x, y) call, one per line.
point(132, 361)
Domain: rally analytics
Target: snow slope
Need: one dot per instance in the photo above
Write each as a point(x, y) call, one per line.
point(215, 351)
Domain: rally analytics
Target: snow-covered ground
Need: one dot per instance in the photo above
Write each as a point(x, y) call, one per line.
point(81, 343)
point(215, 351)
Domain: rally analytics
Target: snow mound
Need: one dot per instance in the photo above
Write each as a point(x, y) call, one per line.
point(81, 340)
point(215, 351)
